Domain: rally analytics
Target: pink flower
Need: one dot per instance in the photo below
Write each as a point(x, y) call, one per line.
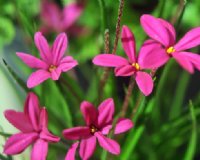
point(58, 19)
point(52, 62)
point(33, 124)
point(134, 66)
point(98, 123)
point(164, 40)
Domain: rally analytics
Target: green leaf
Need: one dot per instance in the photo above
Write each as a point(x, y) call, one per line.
point(131, 142)
point(190, 152)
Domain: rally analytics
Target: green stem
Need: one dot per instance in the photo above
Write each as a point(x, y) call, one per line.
point(103, 15)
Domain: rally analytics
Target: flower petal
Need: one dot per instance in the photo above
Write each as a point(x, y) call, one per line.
point(55, 74)
point(106, 111)
point(191, 39)
point(42, 45)
point(39, 150)
point(67, 63)
point(128, 43)
point(144, 82)
point(89, 112)
point(152, 55)
point(123, 125)
point(47, 136)
point(184, 61)
point(51, 15)
point(125, 70)
point(87, 147)
point(171, 30)
point(109, 60)
point(32, 110)
point(72, 151)
point(37, 77)
point(71, 13)
point(108, 144)
point(76, 133)
point(32, 61)
point(193, 58)
point(16, 119)
point(155, 29)
point(19, 142)
point(59, 47)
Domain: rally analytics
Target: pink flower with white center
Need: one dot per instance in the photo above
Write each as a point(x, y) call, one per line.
point(33, 124)
point(52, 62)
point(58, 19)
point(164, 40)
point(133, 66)
point(98, 123)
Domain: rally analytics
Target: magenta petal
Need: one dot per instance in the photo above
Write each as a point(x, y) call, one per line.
point(71, 13)
point(108, 144)
point(125, 70)
point(59, 47)
point(43, 123)
point(37, 77)
point(106, 129)
point(193, 58)
point(171, 30)
point(184, 61)
point(155, 29)
point(106, 110)
point(19, 142)
point(51, 15)
point(87, 147)
point(43, 47)
point(67, 63)
point(89, 113)
point(32, 61)
point(152, 55)
point(144, 82)
point(109, 60)
point(128, 42)
point(72, 151)
point(47, 136)
point(55, 74)
point(32, 110)
point(123, 125)
point(190, 40)
point(76, 133)
point(39, 150)
point(16, 119)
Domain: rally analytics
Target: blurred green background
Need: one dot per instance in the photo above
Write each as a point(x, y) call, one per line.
point(166, 124)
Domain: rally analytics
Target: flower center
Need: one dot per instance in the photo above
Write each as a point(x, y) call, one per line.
point(51, 68)
point(170, 50)
point(93, 129)
point(136, 66)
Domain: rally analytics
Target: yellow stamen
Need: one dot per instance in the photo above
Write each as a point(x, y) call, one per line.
point(51, 68)
point(170, 50)
point(93, 129)
point(136, 65)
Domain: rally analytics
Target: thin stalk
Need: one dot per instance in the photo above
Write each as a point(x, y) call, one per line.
point(106, 70)
point(127, 97)
point(137, 104)
point(179, 12)
point(118, 25)
point(62, 80)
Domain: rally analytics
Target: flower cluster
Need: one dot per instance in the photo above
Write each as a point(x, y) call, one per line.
point(154, 53)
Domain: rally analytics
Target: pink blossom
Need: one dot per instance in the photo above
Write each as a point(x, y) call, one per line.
point(33, 124)
point(52, 62)
point(58, 19)
point(133, 66)
point(164, 40)
point(98, 123)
